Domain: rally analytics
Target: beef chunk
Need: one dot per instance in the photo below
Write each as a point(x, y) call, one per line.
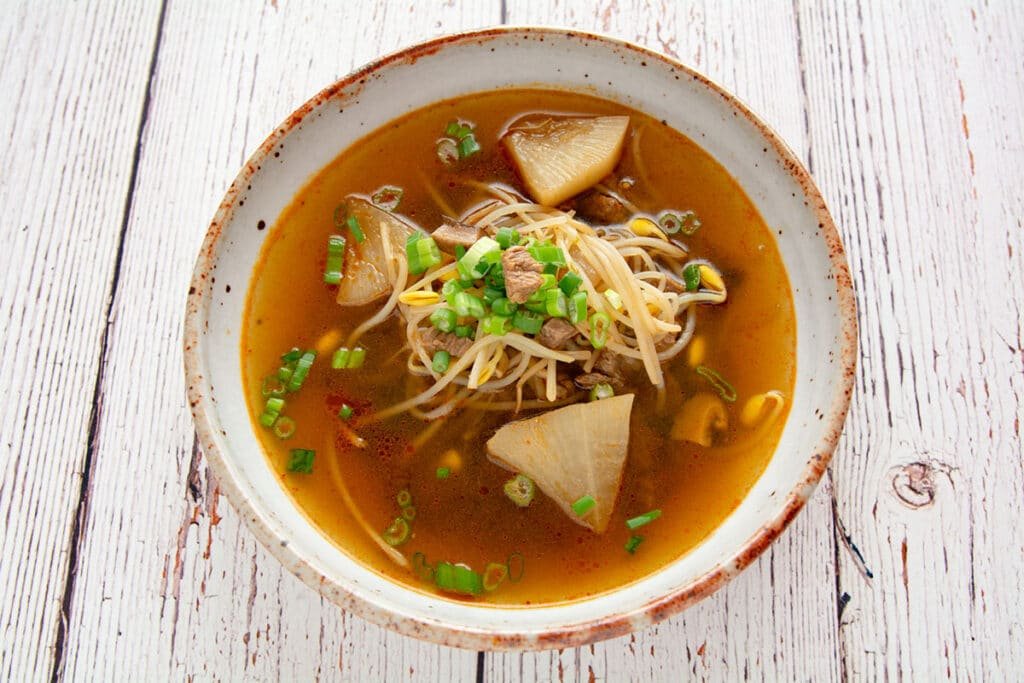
point(602, 209)
point(618, 368)
point(435, 340)
point(451, 234)
point(556, 333)
point(589, 380)
point(522, 274)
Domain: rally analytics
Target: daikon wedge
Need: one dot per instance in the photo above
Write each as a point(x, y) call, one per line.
point(370, 265)
point(571, 452)
point(559, 158)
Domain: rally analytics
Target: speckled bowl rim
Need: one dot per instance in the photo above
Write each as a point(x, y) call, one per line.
point(583, 632)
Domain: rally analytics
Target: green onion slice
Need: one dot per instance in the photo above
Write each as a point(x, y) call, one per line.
point(444, 319)
point(464, 331)
point(291, 356)
point(502, 306)
point(387, 197)
point(422, 253)
point(398, 533)
point(691, 277)
point(357, 231)
point(724, 389)
point(468, 146)
point(273, 386)
point(497, 325)
point(300, 460)
point(600, 391)
point(403, 498)
point(670, 222)
point(494, 574)
point(641, 520)
point(409, 513)
point(569, 283)
point(284, 427)
point(614, 299)
point(583, 505)
point(600, 323)
point(633, 543)
point(527, 321)
point(439, 363)
point(520, 490)
point(578, 307)
point(555, 303)
point(302, 367)
point(457, 578)
point(473, 263)
point(345, 412)
point(443, 472)
point(547, 254)
point(335, 266)
point(507, 237)
point(516, 567)
point(689, 223)
point(271, 410)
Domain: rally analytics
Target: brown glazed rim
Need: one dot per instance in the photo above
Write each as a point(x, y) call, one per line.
point(572, 634)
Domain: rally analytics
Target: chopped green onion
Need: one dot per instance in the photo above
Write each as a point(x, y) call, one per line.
point(345, 412)
point(600, 391)
point(641, 520)
point(547, 253)
point(463, 331)
point(271, 410)
point(555, 303)
point(502, 306)
point(409, 513)
point(551, 268)
point(495, 278)
point(422, 252)
point(583, 505)
point(350, 359)
point(520, 490)
point(284, 427)
point(335, 259)
point(460, 251)
point(340, 212)
point(387, 197)
point(507, 237)
point(457, 578)
point(670, 223)
point(473, 262)
point(496, 324)
point(403, 498)
point(398, 533)
point(569, 283)
point(443, 472)
point(301, 370)
point(600, 323)
point(444, 319)
point(527, 321)
point(357, 358)
point(450, 289)
point(516, 561)
point(467, 305)
point(578, 307)
point(691, 277)
point(357, 232)
point(494, 574)
point(724, 389)
point(291, 356)
point(689, 223)
point(301, 460)
point(457, 130)
point(614, 299)
point(447, 151)
point(273, 386)
point(633, 543)
point(537, 307)
point(439, 363)
point(285, 372)
point(492, 294)
point(339, 361)
point(468, 146)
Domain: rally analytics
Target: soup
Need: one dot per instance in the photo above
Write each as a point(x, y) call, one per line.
point(519, 347)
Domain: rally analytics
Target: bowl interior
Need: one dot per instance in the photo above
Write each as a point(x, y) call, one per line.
point(337, 117)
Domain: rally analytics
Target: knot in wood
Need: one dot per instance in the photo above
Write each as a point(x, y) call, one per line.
point(914, 485)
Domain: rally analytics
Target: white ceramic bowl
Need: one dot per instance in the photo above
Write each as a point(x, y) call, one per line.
point(319, 130)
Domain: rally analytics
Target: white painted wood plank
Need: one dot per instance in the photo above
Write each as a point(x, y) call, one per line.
point(776, 621)
point(73, 78)
point(172, 585)
point(917, 141)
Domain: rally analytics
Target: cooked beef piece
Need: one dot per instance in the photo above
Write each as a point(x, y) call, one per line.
point(589, 380)
point(435, 340)
point(556, 333)
point(597, 207)
point(617, 367)
point(522, 274)
point(451, 234)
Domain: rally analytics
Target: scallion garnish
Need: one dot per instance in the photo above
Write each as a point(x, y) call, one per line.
point(494, 574)
point(397, 533)
point(641, 520)
point(492, 294)
point(578, 307)
point(357, 358)
point(502, 306)
point(724, 389)
point(614, 299)
point(516, 567)
point(689, 223)
point(507, 237)
point(335, 259)
point(339, 360)
point(444, 319)
point(348, 359)
point(527, 321)
point(443, 472)
point(473, 263)
point(569, 283)
point(403, 498)
point(583, 505)
point(547, 254)
point(291, 356)
point(497, 325)
point(387, 197)
point(691, 277)
point(463, 331)
point(422, 252)
point(520, 490)
point(468, 146)
point(345, 412)
point(633, 543)
point(600, 323)
point(670, 223)
point(439, 363)
point(273, 386)
point(555, 303)
point(467, 305)
point(409, 513)
point(284, 427)
point(457, 578)
point(271, 410)
point(300, 460)
point(357, 231)
point(600, 391)
point(302, 367)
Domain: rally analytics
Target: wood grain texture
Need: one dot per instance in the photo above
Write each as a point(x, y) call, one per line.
point(73, 79)
point(917, 135)
point(171, 585)
point(777, 620)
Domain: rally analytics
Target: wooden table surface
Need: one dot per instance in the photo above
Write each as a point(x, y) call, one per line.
point(124, 122)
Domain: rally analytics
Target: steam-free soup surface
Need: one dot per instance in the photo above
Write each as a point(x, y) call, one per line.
point(466, 517)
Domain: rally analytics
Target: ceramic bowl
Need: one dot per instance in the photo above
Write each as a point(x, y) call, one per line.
point(538, 57)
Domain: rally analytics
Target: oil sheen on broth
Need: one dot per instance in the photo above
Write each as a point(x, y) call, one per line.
point(748, 341)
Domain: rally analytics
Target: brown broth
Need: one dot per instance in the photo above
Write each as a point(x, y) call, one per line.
point(750, 340)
